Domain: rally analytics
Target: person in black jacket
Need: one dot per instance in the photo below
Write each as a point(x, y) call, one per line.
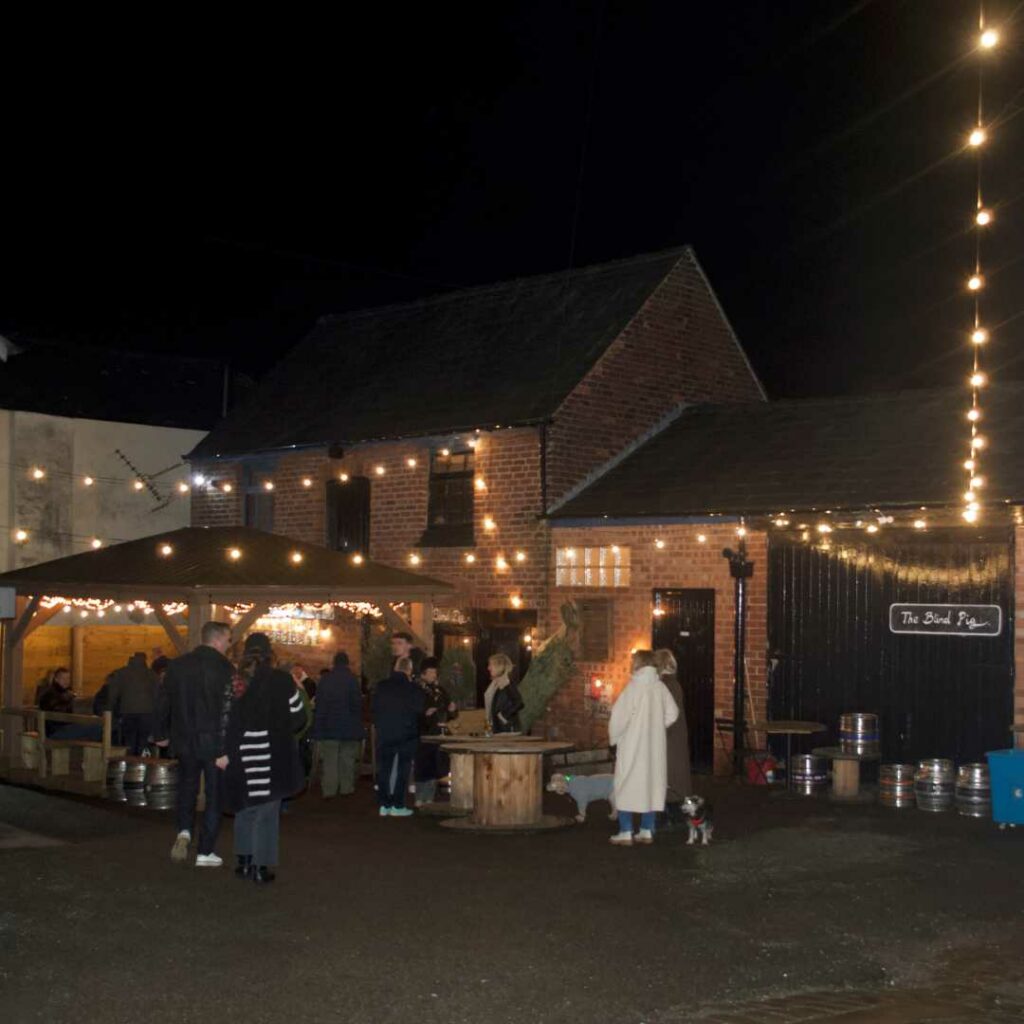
point(261, 764)
point(132, 694)
point(397, 705)
point(431, 761)
point(502, 699)
point(192, 716)
point(338, 728)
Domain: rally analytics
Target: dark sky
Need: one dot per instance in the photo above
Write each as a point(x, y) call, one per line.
point(213, 186)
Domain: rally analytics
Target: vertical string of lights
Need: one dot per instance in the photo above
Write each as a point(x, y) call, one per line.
point(988, 39)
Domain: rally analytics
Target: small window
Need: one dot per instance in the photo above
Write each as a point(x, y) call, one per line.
point(348, 515)
point(258, 503)
point(595, 629)
point(592, 567)
point(450, 505)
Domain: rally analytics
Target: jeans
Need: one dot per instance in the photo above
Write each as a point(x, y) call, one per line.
point(190, 769)
point(392, 785)
point(646, 821)
point(135, 730)
point(338, 763)
point(257, 829)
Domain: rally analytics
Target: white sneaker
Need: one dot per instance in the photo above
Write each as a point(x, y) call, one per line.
point(208, 860)
point(384, 812)
point(179, 851)
point(622, 839)
point(645, 836)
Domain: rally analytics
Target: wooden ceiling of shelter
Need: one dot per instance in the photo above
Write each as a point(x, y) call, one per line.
point(200, 562)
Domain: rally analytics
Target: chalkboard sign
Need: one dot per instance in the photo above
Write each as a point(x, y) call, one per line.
point(946, 619)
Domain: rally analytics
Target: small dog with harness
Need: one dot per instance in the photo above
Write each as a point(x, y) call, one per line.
point(697, 815)
point(583, 789)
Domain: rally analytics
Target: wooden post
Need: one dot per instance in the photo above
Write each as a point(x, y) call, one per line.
point(179, 642)
point(461, 780)
point(421, 618)
point(77, 657)
point(198, 613)
point(41, 724)
point(12, 683)
point(507, 789)
point(397, 623)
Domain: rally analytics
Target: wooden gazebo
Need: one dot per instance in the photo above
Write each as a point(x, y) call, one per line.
point(198, 568)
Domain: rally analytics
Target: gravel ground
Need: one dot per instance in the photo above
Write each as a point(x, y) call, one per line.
point(385, 920)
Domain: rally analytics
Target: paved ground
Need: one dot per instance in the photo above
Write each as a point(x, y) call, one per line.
point(799, 911)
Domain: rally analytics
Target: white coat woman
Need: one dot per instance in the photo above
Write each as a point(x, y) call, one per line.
point(644, 710)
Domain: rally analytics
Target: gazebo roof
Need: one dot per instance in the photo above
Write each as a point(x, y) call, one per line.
point(200, 567)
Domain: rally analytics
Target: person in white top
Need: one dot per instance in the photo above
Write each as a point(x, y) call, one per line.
point(640, 716)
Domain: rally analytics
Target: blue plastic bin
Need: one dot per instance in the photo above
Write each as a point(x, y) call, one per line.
point(1006, 774)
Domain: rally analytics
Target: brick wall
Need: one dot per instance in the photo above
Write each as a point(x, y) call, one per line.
point(1018, 635)
point(683, 562)
point(678, 348)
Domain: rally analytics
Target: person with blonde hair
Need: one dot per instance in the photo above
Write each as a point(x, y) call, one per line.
point(502, 699)
point(639, 720)
point(677, 740)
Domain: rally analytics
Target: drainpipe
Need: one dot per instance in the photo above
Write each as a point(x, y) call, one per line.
point(741, 570)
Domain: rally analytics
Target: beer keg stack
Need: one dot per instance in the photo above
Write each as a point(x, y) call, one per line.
point(143, 782)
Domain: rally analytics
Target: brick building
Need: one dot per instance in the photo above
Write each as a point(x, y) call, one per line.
point(434, 435)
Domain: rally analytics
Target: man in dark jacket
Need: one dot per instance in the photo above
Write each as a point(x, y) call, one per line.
point(132, 696)
point(193, 706)
point(338, 728)
point(397, 705)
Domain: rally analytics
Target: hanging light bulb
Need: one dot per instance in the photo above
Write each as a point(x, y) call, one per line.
point(480, 483)
point(500, 563)
point(702, 538)
point(968, 496)
point(357, 559)
point(920, 524)
point(978, 441)
point(88, 481)
point(165, 550)
point(234, 554)
point(988, 39)
point(976, 482)
point(445, 452)
point(414, 559)
point(183, 488)
point(297, 557)
point(21, 536)
point(979, 336)
point(741, 531)
point(227, 488)
point(521, 556)
point(975, 282)
point(268, 485)
point(824, 528)
point(970, 514)
point(307, 481)
point(96, 543)
point(470, 558)
point(489, 523)
point(659, 544)
point(410, 462)
point(983, 218)
point(872, 528)
point(379, 470)
point(516, 601)
point(969, 465)
point(974, 415)
point(343, 477)
point(977, 137)
point(38, 473)
point(977, 380)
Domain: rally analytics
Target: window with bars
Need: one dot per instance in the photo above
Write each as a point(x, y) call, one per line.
point(592, 567)
point(450, 504)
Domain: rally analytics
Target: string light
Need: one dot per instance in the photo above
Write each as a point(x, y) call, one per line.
point(659, 544)
point(138, 485)
point(489, 523)
point(920, 524)
point(987, 39)
point(480, 483)
point(226, 488)
point(702, 538)
point(379, 470)
point(357, 559)
point(516, 601)
point(470, 558)
point(96, 543)
point(88, 481)
point(268, 485)
point(500, 563)
point(521, 555)
point(307, 481)
point(445, 452)
point(410, 462)
point(234, 554)
point(343, 477)
point(297, 557)
point(414, 559)
point(165, 550)
point(21, 536)
point(183, 488)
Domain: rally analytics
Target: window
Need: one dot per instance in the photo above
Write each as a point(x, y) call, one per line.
point(348, 515)
point(595, 629)
point(450, 505)
point(592, 567)
point(258, 504)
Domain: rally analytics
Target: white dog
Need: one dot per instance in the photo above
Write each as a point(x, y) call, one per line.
point(583, 789)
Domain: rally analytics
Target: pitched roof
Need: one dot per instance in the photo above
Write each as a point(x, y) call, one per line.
point(199, 565)
point(503, 354)
point(86, 382)
point(898, 449)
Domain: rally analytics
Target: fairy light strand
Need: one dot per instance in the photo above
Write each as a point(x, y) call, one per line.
point(988, 38)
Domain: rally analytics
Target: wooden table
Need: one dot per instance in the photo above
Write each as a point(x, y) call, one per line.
point(788, 728)
point(460, 769)
point(507, 784)
point(845, 771)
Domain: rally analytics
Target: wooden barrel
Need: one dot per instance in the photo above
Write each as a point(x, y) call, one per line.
point(973, 791)
point(858, 733)
point(808, 773)
point(507, 789)
point(933, 784)
point(461, 773)
point(896, 785)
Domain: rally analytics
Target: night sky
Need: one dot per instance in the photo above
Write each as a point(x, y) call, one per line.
point(212, 188)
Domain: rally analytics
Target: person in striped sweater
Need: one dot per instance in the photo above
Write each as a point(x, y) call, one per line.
point(261, 766)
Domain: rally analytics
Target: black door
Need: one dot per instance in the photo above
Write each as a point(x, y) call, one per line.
point(833, 649)
point(685, 623)
point(348, 515)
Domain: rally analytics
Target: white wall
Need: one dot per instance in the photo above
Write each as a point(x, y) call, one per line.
point(61, 513)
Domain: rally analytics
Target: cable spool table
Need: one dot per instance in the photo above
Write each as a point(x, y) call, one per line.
point(846, 773)
point(508, 789)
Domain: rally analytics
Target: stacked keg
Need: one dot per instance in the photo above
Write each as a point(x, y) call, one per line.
point(135, 781)
point(933, 784)
point(162, 785)
point(896, 785)
point(858, 733)
point(808, 774)
point(115, 780)
point(973, 792)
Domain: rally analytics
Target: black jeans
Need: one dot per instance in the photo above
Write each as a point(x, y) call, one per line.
point(135, 730)
point(387, 751)
point(190, 768)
